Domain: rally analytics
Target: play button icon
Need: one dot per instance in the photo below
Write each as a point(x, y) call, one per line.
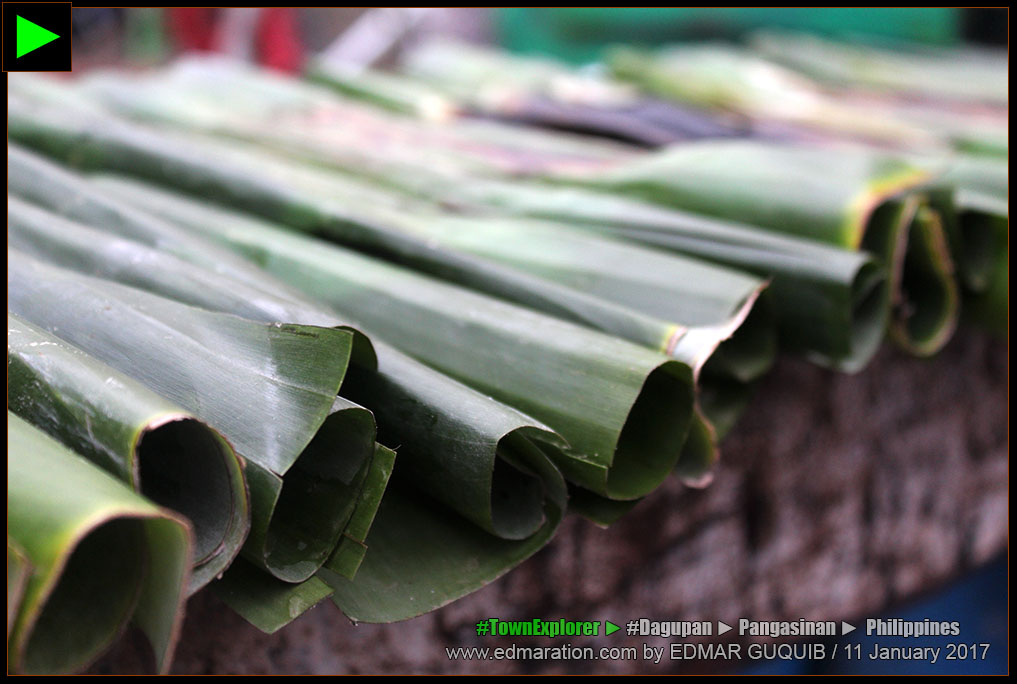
point(31, 36)
point(37, 36)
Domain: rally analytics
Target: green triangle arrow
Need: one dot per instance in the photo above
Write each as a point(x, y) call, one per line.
point(31, 36)
point(610, 627)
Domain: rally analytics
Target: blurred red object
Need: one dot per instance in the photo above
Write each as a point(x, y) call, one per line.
point(277, 39)
point(274, 39)
point(192, 28)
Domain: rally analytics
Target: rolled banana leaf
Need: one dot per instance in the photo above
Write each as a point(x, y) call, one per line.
point(708, 317)
point(443, 187)
point(18, 571)
point(413, 545)
point(472, 462)
point(593, 474)
point(86, 250)
point(701, 314)
point(162, 452)
point(137, 151)
point(424, 552)
point(41, 182)
point(393, 92)
point(958, 74)
point(422, 555)
point(982, 202)
point(446, 431)
point(846, 197)
point(193, 99)
point(831, 304)
point(989, 305)
point(536, 91)
point(775, 102)
point(417, 311)
point(286, 418)
point(845, 293)
point(99, 555)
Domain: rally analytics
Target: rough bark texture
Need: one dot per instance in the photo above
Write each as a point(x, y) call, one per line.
point(837, 496)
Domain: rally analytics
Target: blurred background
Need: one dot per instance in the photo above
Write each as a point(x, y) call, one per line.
point(286, 38)
point(282, 37)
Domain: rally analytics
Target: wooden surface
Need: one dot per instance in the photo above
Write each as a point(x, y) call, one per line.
point(837, 497)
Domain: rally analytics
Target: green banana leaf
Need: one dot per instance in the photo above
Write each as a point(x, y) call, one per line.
point(363, 287)
point(413, 543)
point(99, 554)
point(84, 249)
point(192, 92)
point(981, 175)
point(694, 347)
point(313, 501)
point(776, 102)
point(133, 149)
point(441, 426)
point(269, 604)
point(846, 197)
point(575, 305)
point(427, 177)
point(350, 552)
point(989, 307)
point(701, 314)
point(162, 452)
point(505, 484)
point(554, 363)
point(18, 571)
point(630, 292)
point(849, 291)
point(393, 92)
point(266, 602)
point(485, 77)
point(982, 201)
point(75, 246)
point(290, 375)
point(831, 304)
point(954, 73)
point(480, 465)
point(469, 147)
point(794, 264)
point(41, 182)
point(657, 311)
point(495, 447)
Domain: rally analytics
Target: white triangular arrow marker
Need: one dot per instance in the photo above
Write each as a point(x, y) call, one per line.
point(845, 627)
point(723, 628)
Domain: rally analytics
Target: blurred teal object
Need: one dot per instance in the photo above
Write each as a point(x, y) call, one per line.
point(578, 34)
